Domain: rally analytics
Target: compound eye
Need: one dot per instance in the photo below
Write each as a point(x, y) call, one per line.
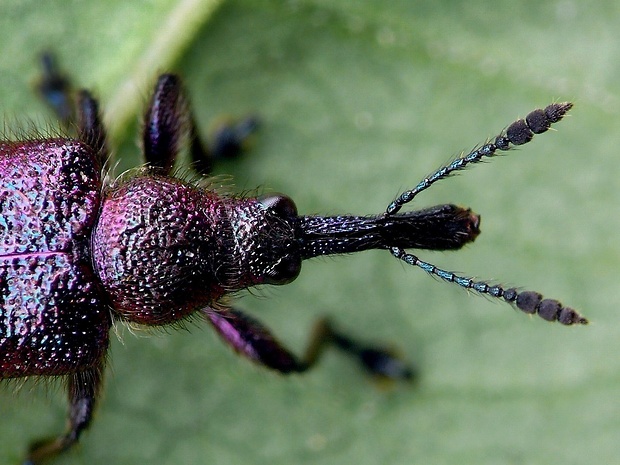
point(280, 204)
point(285, 271)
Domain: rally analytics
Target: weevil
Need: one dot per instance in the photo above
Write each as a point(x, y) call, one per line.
point(80, 250)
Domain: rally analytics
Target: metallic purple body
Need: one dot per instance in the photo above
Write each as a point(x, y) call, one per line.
point(53, 317)
point(164, 248)
point(149, 249)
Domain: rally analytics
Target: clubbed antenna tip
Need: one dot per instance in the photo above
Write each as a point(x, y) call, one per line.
point(556, 111)
point(548, 309)
point(536, 122)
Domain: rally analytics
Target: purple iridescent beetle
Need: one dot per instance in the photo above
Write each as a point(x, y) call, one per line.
point(77, 253)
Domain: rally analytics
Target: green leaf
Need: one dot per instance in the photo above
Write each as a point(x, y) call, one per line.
point(360, 100)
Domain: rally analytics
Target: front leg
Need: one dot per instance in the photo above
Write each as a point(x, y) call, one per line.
point(253, 340)
point(169, 121)
point(83, 390)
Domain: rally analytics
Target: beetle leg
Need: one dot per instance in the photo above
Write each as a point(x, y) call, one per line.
point(90, 126)
point(83, 390)
point(166, 123)
point(169, 120)
point(250, 338)
point(230, 137)
point(55, 89)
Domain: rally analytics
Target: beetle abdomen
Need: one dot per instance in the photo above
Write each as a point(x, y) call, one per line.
point(51, 311)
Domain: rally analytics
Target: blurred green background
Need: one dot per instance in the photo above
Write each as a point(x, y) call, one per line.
point(360, 100)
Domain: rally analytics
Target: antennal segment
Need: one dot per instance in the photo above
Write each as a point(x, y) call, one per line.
point(518, 133)
point(526, 301)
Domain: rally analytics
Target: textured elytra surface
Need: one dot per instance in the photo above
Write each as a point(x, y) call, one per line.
point(50, 310)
